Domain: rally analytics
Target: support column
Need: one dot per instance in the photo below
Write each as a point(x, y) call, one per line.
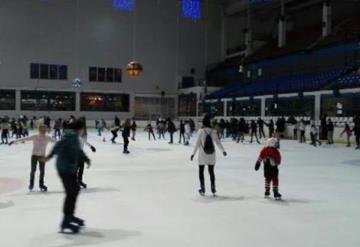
point(263, 106)
point(317, 105)
point(18, 100)
point(326, 18)
point(225, 108)
point(77, 104)
point(282, 27)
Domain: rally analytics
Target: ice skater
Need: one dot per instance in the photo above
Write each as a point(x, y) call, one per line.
point(271, 158)
point(69, 153)
point(150, 131)
point(40, 142)
point(126, 135)
point(253, 127)
point(182, 132)
point(314, 134)
point(171, 129)
point(347, 131)
point(187, 129)
point(4, 130)
point(133, 130)
point(114, 131)
point(83, 141)
point(207, 155)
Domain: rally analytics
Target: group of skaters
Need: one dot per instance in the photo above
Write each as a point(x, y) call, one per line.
point(70, 163)
point(326, 131)
point(238, 128)
point(167, 126)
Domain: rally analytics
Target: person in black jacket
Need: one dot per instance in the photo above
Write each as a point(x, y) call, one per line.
point(171, 129)
point(330, 132)
point(261, 123)
point(117, 122)
point(69, 153)
point(182, 131)
point(126, 135)
point(253, 127)
point(133, 129)
point(271, 127)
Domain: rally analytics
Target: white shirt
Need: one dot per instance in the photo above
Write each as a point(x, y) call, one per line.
point(40, 143)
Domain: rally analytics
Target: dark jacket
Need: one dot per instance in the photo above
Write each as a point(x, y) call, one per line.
point(68, 152)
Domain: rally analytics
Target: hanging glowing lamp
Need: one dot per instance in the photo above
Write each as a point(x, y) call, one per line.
point(134, 69)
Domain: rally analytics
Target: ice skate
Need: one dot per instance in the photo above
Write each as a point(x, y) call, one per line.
point(43, 188)
point(267, 193)
point(277, 195)
point(202, 192)
point(68, 228)
point(78, 221)
point(83, 185)
point(31, 187)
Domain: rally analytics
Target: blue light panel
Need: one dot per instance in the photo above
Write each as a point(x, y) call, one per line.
point(127, 5)
point(191, 9)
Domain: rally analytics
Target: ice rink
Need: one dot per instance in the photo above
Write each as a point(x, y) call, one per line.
point(149, 198)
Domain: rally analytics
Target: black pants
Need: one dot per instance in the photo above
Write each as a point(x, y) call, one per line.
point(261, 133)
point(171, 137)
point(81, 171)
point(202, 178)
point(181, 136)
point(253, 133)
point(72, 189)
point(357, 139)
point(34, 160)
point(115, 135)
point(302, 136)
point(4, 136)
point(295, 134)
point(151, 133)
point(126, 143)
point(57, 133)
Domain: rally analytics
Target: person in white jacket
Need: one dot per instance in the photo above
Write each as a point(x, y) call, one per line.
point(207, 154)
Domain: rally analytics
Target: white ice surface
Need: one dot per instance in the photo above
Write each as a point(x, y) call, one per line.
point(149, 198)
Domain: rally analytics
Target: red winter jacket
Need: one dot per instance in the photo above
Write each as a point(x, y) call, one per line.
point(270, 153)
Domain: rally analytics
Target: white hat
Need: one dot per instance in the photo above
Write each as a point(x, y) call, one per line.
point(272, 142)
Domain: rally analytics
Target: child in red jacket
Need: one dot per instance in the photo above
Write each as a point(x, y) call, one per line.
point(271, 157)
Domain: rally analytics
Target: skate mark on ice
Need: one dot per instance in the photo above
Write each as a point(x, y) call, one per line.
point(57, 192)
point(212, 199)
point(287, 201)
point(87, 236)
point(352, 162)
point(159, 149)
point(8, 204)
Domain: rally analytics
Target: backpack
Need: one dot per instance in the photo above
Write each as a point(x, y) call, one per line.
point(209, 144)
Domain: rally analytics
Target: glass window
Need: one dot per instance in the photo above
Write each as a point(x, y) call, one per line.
point(34, 71)
point(63, 72)
point(104, 102)
point(110, 75)
point(290, 106)
point(118, 75)
point(47, 101)
point(343, 105)
point(92, 74)
point(53, 72)
point(244, 108)
point(44, 71)
point(7, 100)
point(101, 74)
